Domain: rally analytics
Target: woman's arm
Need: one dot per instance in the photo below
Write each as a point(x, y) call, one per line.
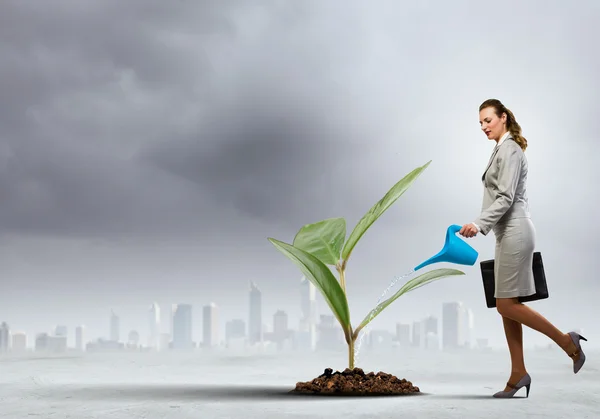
point(509, 169)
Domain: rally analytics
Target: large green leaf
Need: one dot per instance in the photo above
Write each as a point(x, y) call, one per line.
point(320, 275)
point(379, 208)
point(411, 285)
point(324, 239)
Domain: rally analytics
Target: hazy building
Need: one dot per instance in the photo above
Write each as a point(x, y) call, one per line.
point(453, 325)
point(154, 326)
point(329, 334)
point(41, 342)
point(61, 330)
point(48, 343)
point(235, 332)
point(417, 334)
point(430, 333)
point(403, 334)
point(469, 320)
point(280, 328)
point(235, 329)
point(19, 342)
point(306, 337)
point(380, 340)
point(133, 339)
point(182, 327)
point(210, 325)
point(79, 336)
point(115, 327)
point(432, 341)
point(4, 337)
point(255, 332)
point(430, 325)
point(280, 323)
point(103, 345)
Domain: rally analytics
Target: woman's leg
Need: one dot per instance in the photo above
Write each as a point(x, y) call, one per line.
point(515, 250)
point(514, 337)
point(514, 310)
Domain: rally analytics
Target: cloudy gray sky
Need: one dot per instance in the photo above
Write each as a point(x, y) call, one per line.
point(147, 150)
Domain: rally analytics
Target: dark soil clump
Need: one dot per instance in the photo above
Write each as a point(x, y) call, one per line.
point(356, 383)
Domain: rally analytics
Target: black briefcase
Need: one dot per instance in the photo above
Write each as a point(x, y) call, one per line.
point(539, 276)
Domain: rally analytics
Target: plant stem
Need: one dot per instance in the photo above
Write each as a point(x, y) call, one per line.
point(349, 335)
point(351, 353)
point(356, 332)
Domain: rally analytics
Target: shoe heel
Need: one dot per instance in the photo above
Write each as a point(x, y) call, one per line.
point(527, 387)
point(582, 338)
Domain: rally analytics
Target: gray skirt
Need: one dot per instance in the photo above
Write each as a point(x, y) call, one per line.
point(513, 258)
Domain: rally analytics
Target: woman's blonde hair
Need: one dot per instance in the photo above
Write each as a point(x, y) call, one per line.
point(511, 122)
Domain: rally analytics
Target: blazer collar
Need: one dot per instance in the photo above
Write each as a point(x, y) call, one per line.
point(506, 136)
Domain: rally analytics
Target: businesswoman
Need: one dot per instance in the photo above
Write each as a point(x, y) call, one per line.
point(505, 211)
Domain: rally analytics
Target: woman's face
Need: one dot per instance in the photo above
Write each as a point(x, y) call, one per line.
point(492, 126)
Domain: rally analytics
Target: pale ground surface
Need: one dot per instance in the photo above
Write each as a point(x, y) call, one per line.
point(199, 386)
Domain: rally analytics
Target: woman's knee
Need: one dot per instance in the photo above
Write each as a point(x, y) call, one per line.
point(504, 306)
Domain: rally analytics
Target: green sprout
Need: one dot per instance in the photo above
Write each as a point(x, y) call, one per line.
point(324, 243)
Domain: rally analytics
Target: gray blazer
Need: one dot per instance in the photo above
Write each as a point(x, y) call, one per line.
point(504, 186)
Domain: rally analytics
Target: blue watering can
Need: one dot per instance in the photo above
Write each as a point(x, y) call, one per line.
point(455, 250)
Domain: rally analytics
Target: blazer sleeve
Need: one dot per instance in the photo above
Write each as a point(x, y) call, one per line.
point(509, 170)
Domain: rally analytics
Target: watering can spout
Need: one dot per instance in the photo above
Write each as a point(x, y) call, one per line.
point(455, 250)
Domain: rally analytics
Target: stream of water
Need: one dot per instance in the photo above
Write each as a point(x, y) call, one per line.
point(374, 312)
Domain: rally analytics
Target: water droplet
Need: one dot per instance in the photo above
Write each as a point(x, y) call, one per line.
point(375, 311)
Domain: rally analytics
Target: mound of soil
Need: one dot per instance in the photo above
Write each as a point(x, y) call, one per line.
point(355, 383)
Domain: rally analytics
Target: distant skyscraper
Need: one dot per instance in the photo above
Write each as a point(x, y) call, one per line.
point(307, 333)
point(115, 326)
point(210, 325)
point(4, 337)
point(280, 327)
point(154, 326)
point(79, 334)
point(308, 300)
point(255, 334)
point(468, 327)
point(452, 325)
point(182, 326)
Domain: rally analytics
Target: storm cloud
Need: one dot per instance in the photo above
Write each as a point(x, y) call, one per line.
point(130, 118)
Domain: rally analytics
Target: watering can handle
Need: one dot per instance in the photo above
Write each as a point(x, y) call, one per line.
point(454, 228)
